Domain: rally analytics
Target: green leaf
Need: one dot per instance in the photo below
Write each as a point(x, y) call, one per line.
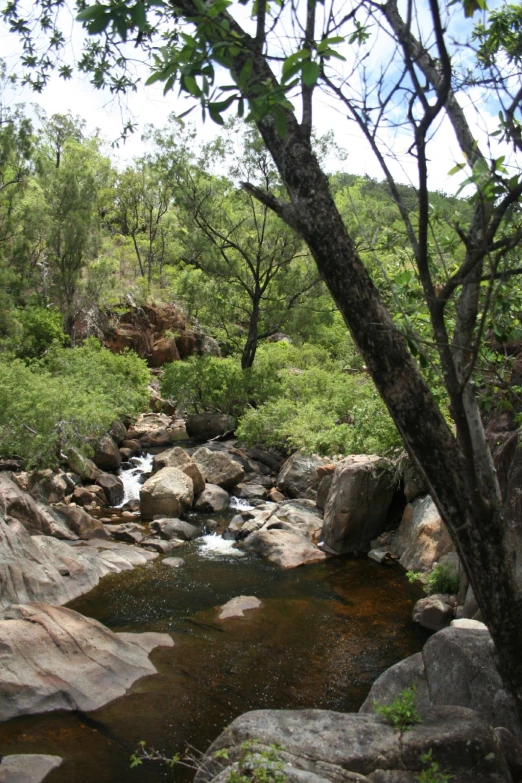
point(456, 169)
point(139, 15)
point(191, 85)
point(310, 73)
point(156, 77)
point(92, 12)
point(245, 74)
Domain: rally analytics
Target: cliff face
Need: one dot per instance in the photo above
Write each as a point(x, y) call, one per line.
point(158, 333)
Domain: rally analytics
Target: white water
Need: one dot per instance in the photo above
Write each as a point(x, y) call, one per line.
point(131, 478)
point(239, 504)
point(215, 546)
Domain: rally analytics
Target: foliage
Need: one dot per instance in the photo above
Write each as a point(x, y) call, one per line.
point(256, 763)
point(441, 579)
point(401, 713)
point(206, 383)
point(33, 331)
point(142, 753)
point(74, 395)
point(433, 774)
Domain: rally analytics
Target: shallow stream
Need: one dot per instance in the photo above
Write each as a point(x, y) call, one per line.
point(322, 635)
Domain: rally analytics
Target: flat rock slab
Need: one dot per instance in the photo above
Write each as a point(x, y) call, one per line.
point(237, 607)
point(283, 545)
point(52, 658)
point(356, 747)
point(27, 767)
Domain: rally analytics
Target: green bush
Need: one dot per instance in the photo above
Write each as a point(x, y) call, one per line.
point(401, 713)
point(206, 383)
point(441, 579)
point(33, 330)
point(47, 408)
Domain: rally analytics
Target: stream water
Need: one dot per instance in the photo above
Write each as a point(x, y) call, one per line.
point(321, 636)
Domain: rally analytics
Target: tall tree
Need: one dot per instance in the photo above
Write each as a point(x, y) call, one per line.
point(280, 61)
point(256, 268)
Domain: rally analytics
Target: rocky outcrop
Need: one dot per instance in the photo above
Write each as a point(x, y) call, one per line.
point(318, 745)
point(456, 667)
point(56, 659)
point(158, 333)
point(298, 476)
point(157, 429)
point(358, 502)
point(218, 467)
point(35, 516)
point(27, 767)
point(175, 528)
point(82, 466)
point(112, 487)
point(43, 568)
point(283, 545)
point(167, 493)
point(422, 538)
point(204, 426)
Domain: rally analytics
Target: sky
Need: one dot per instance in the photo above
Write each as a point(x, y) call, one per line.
point(148, 105)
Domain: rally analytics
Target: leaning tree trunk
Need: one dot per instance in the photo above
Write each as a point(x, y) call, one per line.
point(469, 508)
point(248, 353)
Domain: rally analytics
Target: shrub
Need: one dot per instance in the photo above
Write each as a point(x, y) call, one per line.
point(47, 408)
point(401, 713)
point(33, 331)
point(206, 383)
point(441, 579)
point(433, 774)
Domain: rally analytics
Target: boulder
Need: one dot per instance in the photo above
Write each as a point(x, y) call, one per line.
point(153, 429)
point(163, 350)
point(27, 767)
point(47, 485)
point(434, 612)
point(212, 499)
point(161, 546)
point(274, 496)
point(82, 466)
point(237, 607)
point(414, 484)
point(118, 432)
point(298, 476)
point(132, 446)
point(358, 502)
point(178, 458)
point(86, 496)
point(82, 524)
point(175, 528)
point(106, 454)
point(56, 659)
point(250, 491)
point(218, 468)
point(282, 544)
point(323, 490)
point(36, 517)
point(301, 515)
point(204, 426)
point(128, 532)
point(112, 487)
point(167, 493)
point(320, 745)
point(272, 459)
point(422, 538)
point(456, 667)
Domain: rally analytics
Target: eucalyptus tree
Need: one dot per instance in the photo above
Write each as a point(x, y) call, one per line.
point(386, 71)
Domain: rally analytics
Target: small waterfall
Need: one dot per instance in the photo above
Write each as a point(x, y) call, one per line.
point(131, 477)
point(239, 504)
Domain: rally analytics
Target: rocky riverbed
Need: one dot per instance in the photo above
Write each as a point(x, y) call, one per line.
point(175, 502)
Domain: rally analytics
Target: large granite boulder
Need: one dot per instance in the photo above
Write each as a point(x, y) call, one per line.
point(298, 476)
point(178, 458)
point(358, 502)
point(168, 493)
point(82, 466)
point(204, 426)
point(49, 486)
point(303, 516)
point(56, 659)
point(175, 528)
point(218, 467)
point(422, 538)
point(283, 544)
point(113, 489)
point(106, 454)
point(118, 432)
point(35, 516)
point(27, 767)
point(456, 667)
point(43, 568)
point(82, 524)
point(212, 499)
point(319, 745)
